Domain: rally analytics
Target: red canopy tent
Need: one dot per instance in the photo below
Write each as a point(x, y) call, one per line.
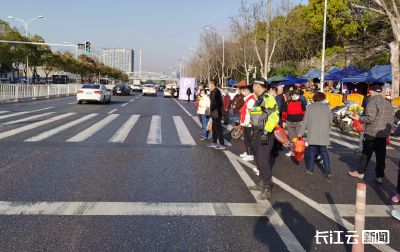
point(241, 84)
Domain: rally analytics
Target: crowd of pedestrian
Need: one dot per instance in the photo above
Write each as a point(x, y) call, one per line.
point(258, 110)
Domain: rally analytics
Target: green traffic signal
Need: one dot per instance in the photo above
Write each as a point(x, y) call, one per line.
point(87, 50)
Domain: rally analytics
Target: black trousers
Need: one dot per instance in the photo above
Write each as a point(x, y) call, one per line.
point(248, 140)
point(262, 156)
point(225, 114)
point(370, 145)
point(217, 132)
point(188, 98)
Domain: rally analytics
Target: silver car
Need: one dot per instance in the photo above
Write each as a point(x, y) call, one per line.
point(149, 89)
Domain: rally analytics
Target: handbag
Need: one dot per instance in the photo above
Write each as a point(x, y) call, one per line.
point(209, 125)
point(208, 113)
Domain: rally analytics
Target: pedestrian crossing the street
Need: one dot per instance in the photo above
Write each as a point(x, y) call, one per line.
point(93, 124)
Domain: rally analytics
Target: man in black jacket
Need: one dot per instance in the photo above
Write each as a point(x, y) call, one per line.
point(216, 116)
point(188, 92)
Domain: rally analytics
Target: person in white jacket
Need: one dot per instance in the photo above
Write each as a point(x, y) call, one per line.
point(249, 101)
point(203, 106)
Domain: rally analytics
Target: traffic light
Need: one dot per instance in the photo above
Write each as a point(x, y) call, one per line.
point(87, 47)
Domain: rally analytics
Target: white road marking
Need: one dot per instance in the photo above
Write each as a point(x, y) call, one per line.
point(347, 210)
point(196, 119)
point(183, 132)
point(33, 125)
point(327, 211)
point(54, 131)
point(22, 113)
point(26, 119)
point(346, 143)
point(93, 129)
point(72, 103)
point(2, 112)
point(154, 136)
point(124, 104)
point(187, 112)
point(132, 100)
point(281, 228)
point(112, 111)
point(122, 133)
point(131, 208)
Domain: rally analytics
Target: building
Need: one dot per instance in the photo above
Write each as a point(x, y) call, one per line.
point(121, 58)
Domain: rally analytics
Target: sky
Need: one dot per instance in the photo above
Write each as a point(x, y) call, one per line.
point(125, 24)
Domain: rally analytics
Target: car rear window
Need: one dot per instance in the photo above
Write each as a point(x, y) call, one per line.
point(119, 85)
point(149, 86)
point(91, 86)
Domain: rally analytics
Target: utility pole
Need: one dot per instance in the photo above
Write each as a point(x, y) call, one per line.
point(321, 88)
point(140, 64)
point(267, 42)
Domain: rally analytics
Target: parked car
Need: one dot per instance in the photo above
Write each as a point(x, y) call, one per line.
point(149, 89)
point(167, 91)
point(93, 92)
point(231, 91)
point(121, 89)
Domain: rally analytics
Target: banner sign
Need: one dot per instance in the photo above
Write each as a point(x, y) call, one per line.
point(185, 83)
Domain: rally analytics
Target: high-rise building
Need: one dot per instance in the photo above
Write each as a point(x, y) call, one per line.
point(121, 58)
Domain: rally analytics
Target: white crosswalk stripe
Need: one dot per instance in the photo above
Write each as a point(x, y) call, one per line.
point(349, 138)
point(52, 132)
point(183, 132)
point(93, 129)
point(22, 113)
point(33, 125)
point(26, 119)
point(154, 136)
point(2, 112)
point(122, 133)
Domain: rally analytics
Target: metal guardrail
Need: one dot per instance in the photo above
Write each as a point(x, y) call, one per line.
point(15, 92)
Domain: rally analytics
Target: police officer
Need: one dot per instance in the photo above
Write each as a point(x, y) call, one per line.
point(264, 116)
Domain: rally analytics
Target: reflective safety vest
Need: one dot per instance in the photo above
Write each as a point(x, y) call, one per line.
point(265, 114)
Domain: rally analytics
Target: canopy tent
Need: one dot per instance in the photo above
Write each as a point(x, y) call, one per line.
point(377, 74)
point(241, 84)
point(313, 73)
point(278, 78)
point(332, 71)
point(292, 80)
point(345, 73)
point(231, 82)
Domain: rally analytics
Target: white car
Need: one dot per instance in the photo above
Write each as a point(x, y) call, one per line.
point(149, 89)
point(167, 92)
point(93, 92)
point(231, 92)
point(136, 87)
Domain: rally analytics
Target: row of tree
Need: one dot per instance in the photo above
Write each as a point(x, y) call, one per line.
point(13, 57)
point(359, 32)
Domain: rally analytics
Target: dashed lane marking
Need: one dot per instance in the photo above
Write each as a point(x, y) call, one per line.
point(132, 100)
point(124, 104)
point(2, 112)
point(112, 111)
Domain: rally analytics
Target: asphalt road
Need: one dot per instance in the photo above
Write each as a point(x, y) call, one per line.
point(133, 175)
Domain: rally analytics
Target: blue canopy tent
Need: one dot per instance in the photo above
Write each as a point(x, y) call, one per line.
point(345, 73)
point(292, 80)
point(334, 70)
point(313, 73)
point(231, 82)
point(377, 74)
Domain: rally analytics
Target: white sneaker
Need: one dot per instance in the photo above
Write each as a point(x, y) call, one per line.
point(243, 155)
point(248, 158)
point(290, 154)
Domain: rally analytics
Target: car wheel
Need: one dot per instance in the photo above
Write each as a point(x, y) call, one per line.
point(103, 101)
point(155, 94)
point(79, 102)
point(109, 99)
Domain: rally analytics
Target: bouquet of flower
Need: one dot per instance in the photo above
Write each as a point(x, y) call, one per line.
point(357, 110)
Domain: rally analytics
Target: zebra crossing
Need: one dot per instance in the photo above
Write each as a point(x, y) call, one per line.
point(25, 125)
point(154, 136)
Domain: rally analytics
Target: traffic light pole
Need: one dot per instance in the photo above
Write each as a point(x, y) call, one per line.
point(35, 43)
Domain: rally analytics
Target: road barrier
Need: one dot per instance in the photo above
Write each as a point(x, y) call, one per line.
point(9, 92)
point(359, 222)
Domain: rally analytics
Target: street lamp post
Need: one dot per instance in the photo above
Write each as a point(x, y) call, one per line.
point(180, 66)
point(223, 54)
point(26, 35)
point(321, 88)
point(187, 60)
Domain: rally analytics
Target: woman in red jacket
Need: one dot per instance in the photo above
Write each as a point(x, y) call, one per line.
point(226, 99)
